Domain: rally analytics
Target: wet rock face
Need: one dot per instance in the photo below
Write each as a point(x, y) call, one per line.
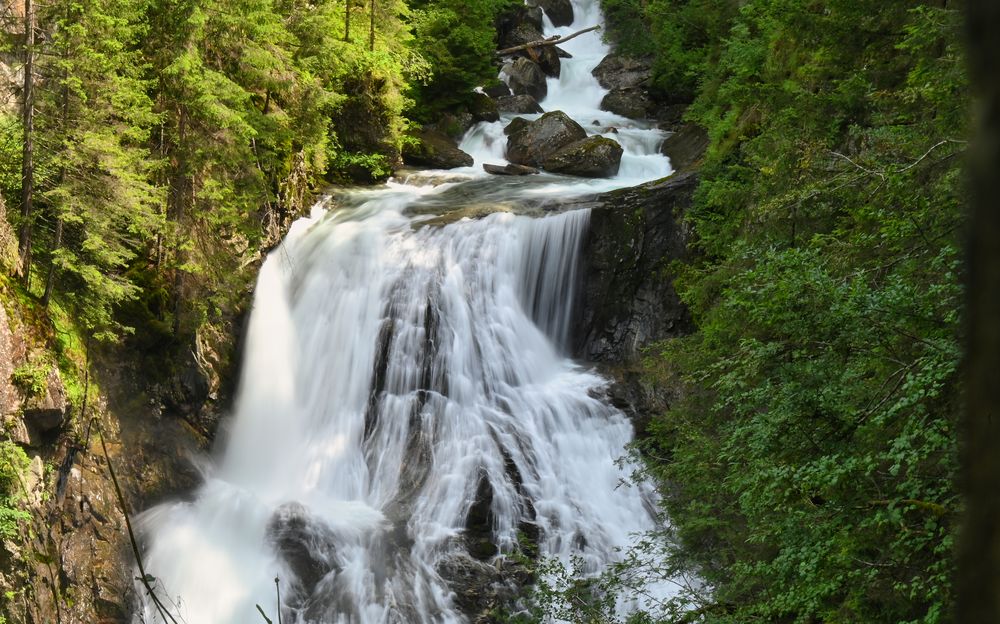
point(483, 108)
point(547, 57)
point(304, 543)
point(559, 11)
point(628, 298)
point(526, 78)
point(593, 157)
point(435, 150)
point(622, 72)
point(686, 146)
point(519, 104)
point(531, 142)
point(631, 103)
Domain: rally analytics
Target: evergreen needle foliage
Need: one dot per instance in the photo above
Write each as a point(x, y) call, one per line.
point(809, 469)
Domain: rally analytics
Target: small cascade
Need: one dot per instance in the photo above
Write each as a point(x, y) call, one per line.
point(577, 93)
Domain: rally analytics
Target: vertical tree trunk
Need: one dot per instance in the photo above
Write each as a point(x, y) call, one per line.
point(27, 163)
point(50, 278)
point(371, 30)
point(978, 582)
point(347, 22)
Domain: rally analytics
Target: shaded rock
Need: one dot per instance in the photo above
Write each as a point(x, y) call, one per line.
point(622, 72)
point(498, 90)
point(45, 414)
point(592, 157)
point(510, 169)
point(453, 125)
point(629, 299)
point(686, 146)
point(516, 16)
point(304, 542)
point(526, 78)
point(435, 150)
point(632, 103)
point(483, 108)
point(516, 124)
point(520, 104)
point(547, 57)
point(478, 534)
point(532, 142)
point(562, 53)
point(559, 11)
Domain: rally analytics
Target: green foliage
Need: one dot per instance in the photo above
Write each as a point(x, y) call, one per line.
point(458, 39)
point(811, 462)
point(13, 464)
point(30, 378)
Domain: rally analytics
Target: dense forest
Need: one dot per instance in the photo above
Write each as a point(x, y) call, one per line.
point(808, 465)
point(809, 468)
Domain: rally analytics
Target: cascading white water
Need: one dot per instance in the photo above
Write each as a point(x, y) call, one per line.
point(405, 386)
point(577, 93)
point(395, 375)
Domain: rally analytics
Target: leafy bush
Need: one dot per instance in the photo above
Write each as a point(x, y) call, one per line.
point(13, 464)
point(30, 378)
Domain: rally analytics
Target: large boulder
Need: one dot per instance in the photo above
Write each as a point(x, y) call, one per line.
point(547, 57)
point(305, 543)
point(483, 108)
point(436, 150)
point(592, 157)
point(632, 103)
point(517, 15)
point(629, 299)
point(525, 77)
point(531, 142)
point(686, 146)
point(559, 11)
point(519, 104)
point(623, 72)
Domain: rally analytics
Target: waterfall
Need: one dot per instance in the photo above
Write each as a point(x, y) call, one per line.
point(407, 409)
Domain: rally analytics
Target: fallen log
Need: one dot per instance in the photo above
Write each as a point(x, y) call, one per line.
point(553, 40)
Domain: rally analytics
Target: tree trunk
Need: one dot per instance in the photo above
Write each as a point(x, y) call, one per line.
point(179, 197)
point(347, 22)
point(50, 278)
point(27, 163)
point(371, 30)
point(978, 582)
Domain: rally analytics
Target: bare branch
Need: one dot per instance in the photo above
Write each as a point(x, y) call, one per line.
point(553, 40)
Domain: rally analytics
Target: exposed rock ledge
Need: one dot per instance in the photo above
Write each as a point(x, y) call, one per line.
point(628, 299)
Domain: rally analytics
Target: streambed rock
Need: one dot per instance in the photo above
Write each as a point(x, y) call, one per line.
point(559, 11)
point(531, 142)
point(519, 104)
point(525, 77)
point(592, 157)
point(436, 150)
point(618, 71)
point(509, 169)
point(631, 103)
point(547, 57)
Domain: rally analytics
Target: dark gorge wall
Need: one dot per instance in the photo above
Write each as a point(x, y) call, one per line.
point(628, 299)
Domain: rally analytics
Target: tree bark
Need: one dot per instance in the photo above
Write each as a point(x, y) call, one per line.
point(371, 29)
point(347, 21)
point(978, 583)
point(553, 40)
point(28, 152)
